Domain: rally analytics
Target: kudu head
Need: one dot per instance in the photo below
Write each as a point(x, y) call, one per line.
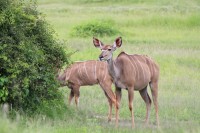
point(107, 50)
point(61, 77)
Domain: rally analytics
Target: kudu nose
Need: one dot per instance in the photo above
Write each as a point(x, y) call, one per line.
point(100, 57)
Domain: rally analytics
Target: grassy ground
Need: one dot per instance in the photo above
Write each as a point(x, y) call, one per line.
point(168, 31)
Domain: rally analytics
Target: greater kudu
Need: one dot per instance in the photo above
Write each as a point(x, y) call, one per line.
point(132, 72)
point(88, 73)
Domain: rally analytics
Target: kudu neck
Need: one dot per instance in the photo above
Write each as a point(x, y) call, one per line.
point(111, 67)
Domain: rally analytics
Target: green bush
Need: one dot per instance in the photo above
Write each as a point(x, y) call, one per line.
point(95, 28)
point(29, 56)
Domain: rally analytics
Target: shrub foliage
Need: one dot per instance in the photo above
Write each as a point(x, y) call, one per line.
point(29, 56)
point(95, 28)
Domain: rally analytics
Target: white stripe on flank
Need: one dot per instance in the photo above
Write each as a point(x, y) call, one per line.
point(78, 81)
point(152, 66)
point(91, 64)
point(86, 71)
point(151, 71)
point(95, 68)
point(99, 73)
point(137, 71)
point(145, 58)
point(142, 68)
point(133, 67)
point(79, 74)
point(68, 76)
point(149, 66)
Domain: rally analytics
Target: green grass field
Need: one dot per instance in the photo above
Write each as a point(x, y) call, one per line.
point(168, 31)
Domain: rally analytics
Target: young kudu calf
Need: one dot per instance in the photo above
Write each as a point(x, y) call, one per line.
point(132, 72)
point(88, 73)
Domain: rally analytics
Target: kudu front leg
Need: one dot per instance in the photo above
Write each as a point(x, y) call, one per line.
point(106, 86)
point(110, 108)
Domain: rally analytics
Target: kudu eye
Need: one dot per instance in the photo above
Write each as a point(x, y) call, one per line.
point(109, 49)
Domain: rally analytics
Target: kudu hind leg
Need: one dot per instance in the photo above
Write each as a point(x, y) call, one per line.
point(130, 98)
point(145, 96)
point(118, 99)
point(76, 95)
point(154, 91)
point(71, 95)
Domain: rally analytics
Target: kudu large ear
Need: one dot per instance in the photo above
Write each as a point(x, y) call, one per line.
point(97, 43)
point(118, 42)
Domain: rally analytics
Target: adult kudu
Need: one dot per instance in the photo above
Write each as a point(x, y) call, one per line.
point(132, 72)
point(88, 73)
